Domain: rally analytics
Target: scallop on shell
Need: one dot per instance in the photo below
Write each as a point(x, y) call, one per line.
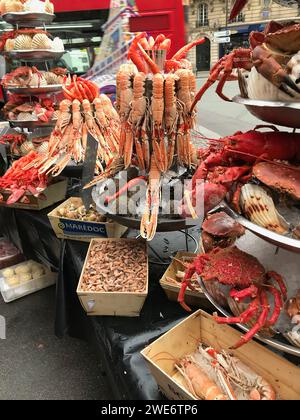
point(9, 45)
point(26, 147)
point(37, 80)
point(51, 78)
point(41, 42)
point(23, 42)
point(43, 148)
point(57, 44)
point(26, 116)
point(259, 207)
point(49, 7)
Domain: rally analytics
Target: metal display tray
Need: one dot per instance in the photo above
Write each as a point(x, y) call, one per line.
point(28, 19)
point(284, 242)
point(285, 114)
point(35, 90)
point(32, 125)
point(34, 55)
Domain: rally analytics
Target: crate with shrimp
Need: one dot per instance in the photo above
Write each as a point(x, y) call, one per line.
point(72, 221)
point(114, 279)
point(194, 361)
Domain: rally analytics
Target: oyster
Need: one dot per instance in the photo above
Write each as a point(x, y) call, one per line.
point(259, 207)
point(26, 116)
point(23, 42)
point(41, 42)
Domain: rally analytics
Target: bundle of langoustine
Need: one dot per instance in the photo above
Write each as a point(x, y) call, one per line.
point(154, 104)
point(19, 181)
point(69, 138)
point(213, 375)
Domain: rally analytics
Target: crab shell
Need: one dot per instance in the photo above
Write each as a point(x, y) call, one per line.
point(222, 225)
point(286, 39)
point(285, 179)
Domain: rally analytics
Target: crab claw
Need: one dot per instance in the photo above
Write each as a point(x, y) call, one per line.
point(15, 196)
point(288, 82)
point(269, 68)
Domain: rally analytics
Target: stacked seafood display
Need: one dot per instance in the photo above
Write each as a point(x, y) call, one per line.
point(255, 177)
point(154, 99)
point(26, 108)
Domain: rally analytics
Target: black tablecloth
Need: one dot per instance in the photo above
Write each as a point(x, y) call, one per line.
point(118, 341)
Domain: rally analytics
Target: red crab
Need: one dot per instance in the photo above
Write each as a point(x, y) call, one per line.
point(220, 230)
point(269, 51)
point(247, 279)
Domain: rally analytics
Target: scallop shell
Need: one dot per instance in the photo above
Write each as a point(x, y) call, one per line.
point(11, 6)
point(55, 115)
point(9, 45)
point(259, 207)
point(43, 148)
point(49, 7)
point(41, 42)
point(23, 42)
point(293, 337)
point(26, 147)
point(51, 78)
point(26, 116)
point(37, 80)
point(57, 44)
point(36, 6)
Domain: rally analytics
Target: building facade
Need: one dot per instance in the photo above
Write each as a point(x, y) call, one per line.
point(206, 17)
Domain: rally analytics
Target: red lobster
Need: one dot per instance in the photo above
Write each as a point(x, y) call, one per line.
point(247, 279)
point(230, 160)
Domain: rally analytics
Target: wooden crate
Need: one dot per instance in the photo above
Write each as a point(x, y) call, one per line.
point(195, 299)
point(200, 327)
point(112, 303)
point(55, 193)
point(78, 230)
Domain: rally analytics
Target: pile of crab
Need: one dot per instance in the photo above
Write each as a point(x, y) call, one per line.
point(22, 108)
point(154, 99)
point(31, 77)
point(257, 172)
point(272, 65)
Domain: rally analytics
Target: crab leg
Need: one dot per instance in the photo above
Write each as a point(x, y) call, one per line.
point(275, 276)
point(259, 324)
point(244, 318)
point(278, 306)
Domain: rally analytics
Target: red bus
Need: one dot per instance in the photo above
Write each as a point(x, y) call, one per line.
point(155, 16)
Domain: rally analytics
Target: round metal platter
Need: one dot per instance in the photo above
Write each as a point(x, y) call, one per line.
point(164, 224)
point(279, 113)
point(34, 55)
point(273, 238)
point(32, 124)
point(35, 90)
point(272, 342)
point(28, 19)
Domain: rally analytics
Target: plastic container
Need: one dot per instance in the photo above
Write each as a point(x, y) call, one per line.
point(9, 254)
point(24, 288)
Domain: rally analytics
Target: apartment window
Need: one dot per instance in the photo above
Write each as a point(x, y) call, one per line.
point(240, 18)
point(203, 15)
